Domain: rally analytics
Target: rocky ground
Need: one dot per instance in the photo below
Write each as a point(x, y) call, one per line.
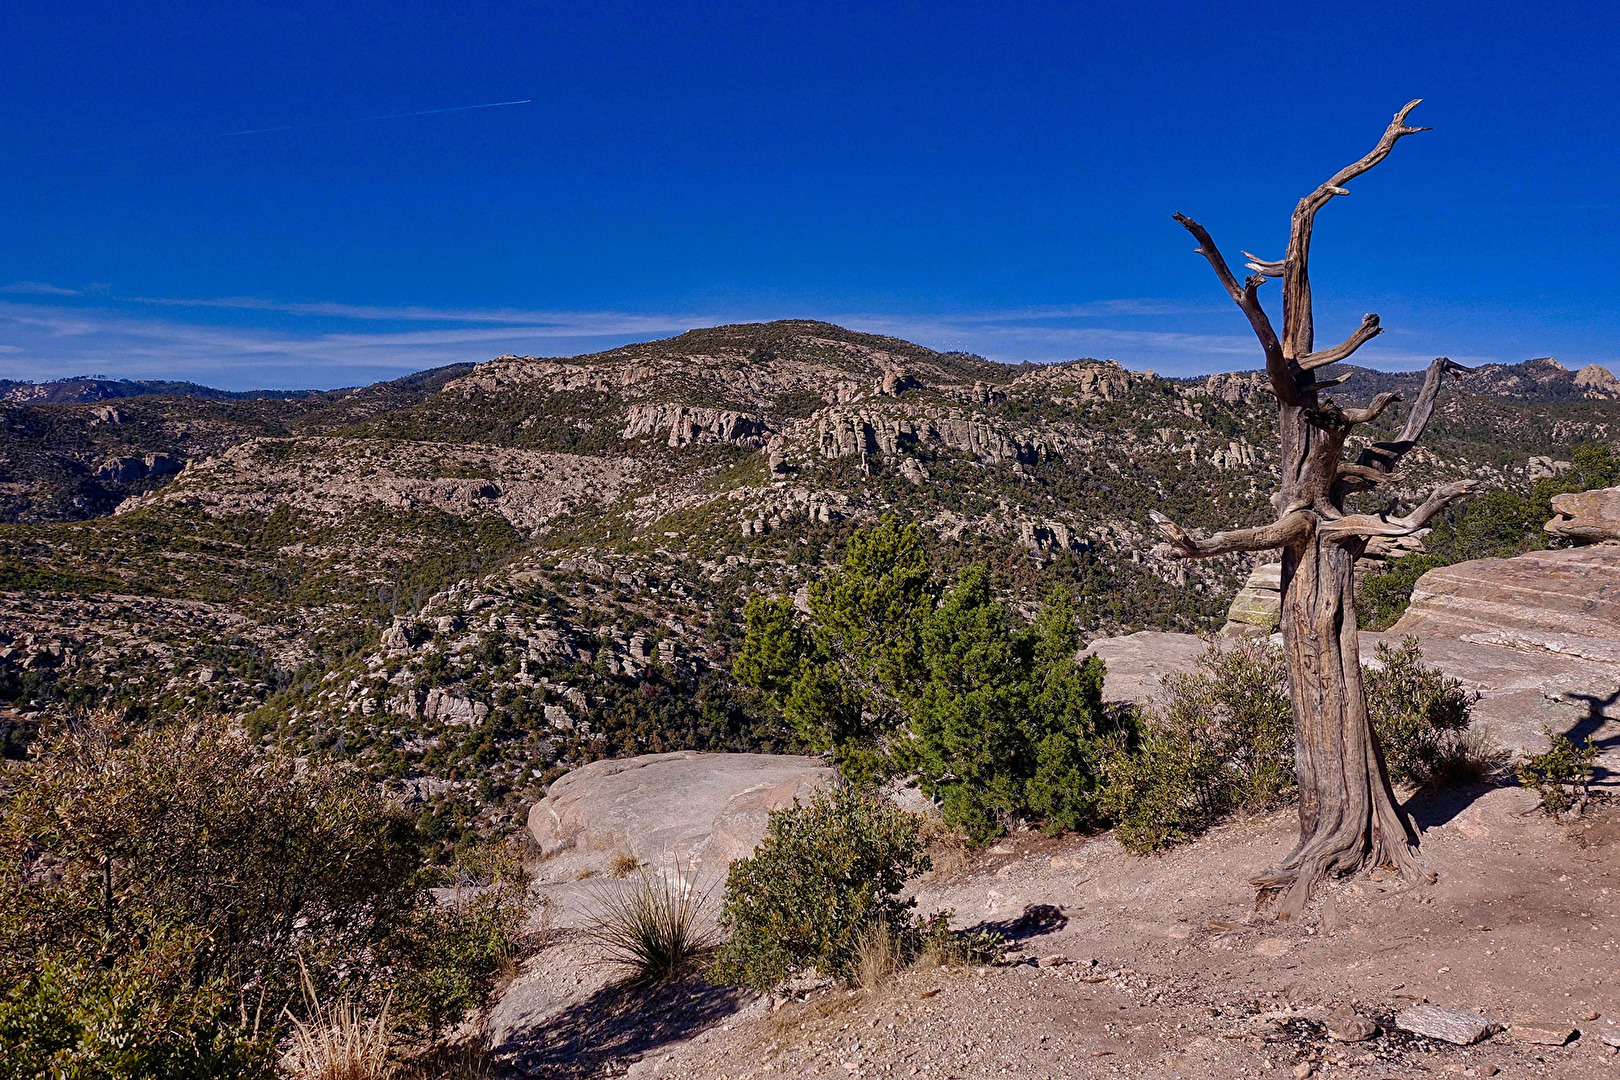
point(1159, 966)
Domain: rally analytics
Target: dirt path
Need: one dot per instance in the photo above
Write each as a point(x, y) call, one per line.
point(1166, 972)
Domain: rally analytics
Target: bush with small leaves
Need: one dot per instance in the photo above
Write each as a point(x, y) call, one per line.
point(1562, 776)
point(253, 874)
point(445, 954)
point(1422, 717)
point(827, 872)
point(132, 1018)
point(1221, 740)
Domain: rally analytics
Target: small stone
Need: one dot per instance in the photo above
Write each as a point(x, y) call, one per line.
point(1610, 1040)
point(1055, 960)
point(1542, 1032)
point(1348, 1027)
point(1447, 1025)
point(1304, 1069)
point(1591, 1015)
point(1488, 1070)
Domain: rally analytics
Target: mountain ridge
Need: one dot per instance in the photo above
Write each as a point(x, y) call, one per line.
point(471, 579)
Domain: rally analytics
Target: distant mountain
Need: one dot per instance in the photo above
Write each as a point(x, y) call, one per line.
point(1539, 381)
point(84, 389)
point(75, 448)
point(468, 579)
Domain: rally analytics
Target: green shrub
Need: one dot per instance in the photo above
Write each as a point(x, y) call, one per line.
point(1383, 597)
point(1221, 740)
point(139, 1017)
point(1561, 776)
point(246, 867)
point(826, 873)
point(994, 718)
point(445, 954)
point(1421, 716)
point(194, 828)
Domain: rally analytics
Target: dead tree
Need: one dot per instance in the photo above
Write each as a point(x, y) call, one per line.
point(1348, 817)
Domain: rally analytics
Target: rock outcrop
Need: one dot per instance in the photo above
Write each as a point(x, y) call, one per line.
point(701, 810)
point(1596, 381)
point(1257, 608)
point(841, 432)
point(1574, 592)
point(127, 470)
point(1587, 517)
point(686, 424)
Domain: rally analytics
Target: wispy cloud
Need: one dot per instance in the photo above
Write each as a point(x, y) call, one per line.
point(333, 344)
point(37, 288)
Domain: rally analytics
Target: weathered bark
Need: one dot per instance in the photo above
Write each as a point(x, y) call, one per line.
point(1348, 815)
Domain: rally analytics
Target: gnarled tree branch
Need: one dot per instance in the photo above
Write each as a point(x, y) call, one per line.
point(1372, 476)
point(1387, 456)
point(1298, 331)
point(1264, 267)
point(1364, 333)
point(1246, 296)
point(1368, 525)
point(1288, 529)
point(1373, 411)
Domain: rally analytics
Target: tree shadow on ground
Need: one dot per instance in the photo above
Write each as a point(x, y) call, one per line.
point(1597, 714)
point(617, 1025)
point(1037, 920)
point(1430, 808)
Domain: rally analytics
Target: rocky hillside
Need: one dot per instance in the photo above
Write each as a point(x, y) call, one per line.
point(76, 448)
point(476, 577)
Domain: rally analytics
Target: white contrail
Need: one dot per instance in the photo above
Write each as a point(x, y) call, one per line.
point(384, 116)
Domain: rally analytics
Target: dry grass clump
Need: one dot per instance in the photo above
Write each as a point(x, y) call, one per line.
point(877, 956)
point(1471, 756)
point(949, 851)
point(337, 1043)
point(654, 927)
point(624, 864)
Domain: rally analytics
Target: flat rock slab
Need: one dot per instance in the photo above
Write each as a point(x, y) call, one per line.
point(1447, 1025)
point(1542, 1032)
point(1575, 591)
point(701, 810)
point(1137, 662)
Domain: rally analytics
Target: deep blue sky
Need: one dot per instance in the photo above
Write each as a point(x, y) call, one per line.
point(994, 177)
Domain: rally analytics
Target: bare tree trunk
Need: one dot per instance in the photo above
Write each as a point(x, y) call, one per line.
point(1348, 816)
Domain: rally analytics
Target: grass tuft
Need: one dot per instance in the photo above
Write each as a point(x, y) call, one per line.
point(655, 927)
point(336, 1042)
point(877, 956)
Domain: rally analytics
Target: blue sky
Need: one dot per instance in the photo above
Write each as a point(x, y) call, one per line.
point(991, 177)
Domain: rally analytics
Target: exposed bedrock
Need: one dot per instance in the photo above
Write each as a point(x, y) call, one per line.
point(701, 810)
